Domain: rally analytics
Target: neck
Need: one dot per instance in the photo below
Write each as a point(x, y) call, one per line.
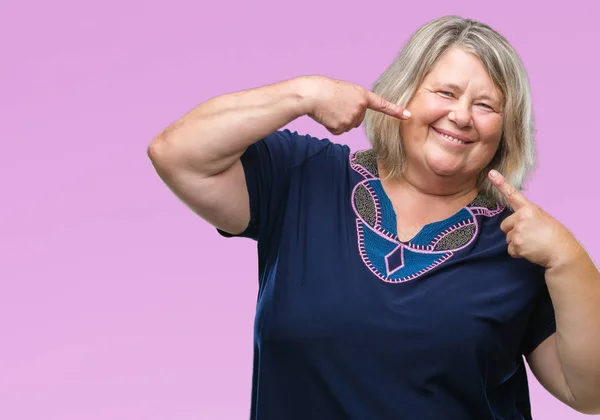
point(432, 188)
point(445, 188)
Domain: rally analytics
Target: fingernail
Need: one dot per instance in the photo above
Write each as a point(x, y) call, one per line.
point(494, 173)
point(406, 113)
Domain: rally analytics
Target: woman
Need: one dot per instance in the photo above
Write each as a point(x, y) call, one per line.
point(410, 280)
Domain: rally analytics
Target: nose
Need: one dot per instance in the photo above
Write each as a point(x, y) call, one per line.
point(461, 114)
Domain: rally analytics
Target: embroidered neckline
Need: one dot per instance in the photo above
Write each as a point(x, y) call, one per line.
point(379, 245)
point(365, 163)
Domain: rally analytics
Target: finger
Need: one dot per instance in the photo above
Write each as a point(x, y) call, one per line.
point(335, 132)
point(508, 224)
point(359, 120)
point(377, 103)
point(509, 237)
point(512, 194)
point(512, 251)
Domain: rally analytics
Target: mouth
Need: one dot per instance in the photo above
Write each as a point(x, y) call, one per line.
point(451, 137)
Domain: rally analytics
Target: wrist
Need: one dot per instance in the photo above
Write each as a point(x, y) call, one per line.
point(305, 89)
point(572, 253)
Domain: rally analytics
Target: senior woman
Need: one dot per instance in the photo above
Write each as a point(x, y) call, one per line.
point(410, 280)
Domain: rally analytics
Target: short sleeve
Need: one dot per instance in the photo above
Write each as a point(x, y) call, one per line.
point(268, 165)
point(542, 322)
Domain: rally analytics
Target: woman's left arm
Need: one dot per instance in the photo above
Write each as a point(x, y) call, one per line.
point(567, 364)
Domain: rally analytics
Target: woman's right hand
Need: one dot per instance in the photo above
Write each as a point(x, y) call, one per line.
point(198, 156)
point(341, 106)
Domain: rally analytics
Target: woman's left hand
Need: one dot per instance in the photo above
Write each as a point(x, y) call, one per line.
point(531, 233)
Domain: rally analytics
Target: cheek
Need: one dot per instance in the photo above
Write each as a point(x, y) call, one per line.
point(490, 129)
point(433, 108)
point(428, 107)
point(426, 111)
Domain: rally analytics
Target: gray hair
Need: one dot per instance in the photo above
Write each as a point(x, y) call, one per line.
point(516, 153)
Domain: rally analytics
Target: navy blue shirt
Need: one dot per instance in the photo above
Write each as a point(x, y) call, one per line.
point(353, 323)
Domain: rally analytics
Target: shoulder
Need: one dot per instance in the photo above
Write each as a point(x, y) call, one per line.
point(297, 146)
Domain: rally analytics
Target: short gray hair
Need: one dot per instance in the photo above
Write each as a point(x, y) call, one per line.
point(516, 153)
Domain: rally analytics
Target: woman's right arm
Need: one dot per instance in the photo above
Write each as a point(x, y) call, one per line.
point(198, 156)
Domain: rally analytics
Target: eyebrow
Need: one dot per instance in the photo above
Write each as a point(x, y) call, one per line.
point(455, 87)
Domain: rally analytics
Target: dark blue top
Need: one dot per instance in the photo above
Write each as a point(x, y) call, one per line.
point(352, 323)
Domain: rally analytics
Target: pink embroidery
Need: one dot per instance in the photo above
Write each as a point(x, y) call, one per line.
point(442, 255)
point(360, 169)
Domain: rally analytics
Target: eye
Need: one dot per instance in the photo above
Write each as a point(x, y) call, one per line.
point(486, 106)
point(445, 93)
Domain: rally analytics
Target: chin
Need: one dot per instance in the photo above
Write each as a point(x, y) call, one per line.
point(444, 167)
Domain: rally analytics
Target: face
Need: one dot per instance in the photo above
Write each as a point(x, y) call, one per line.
point(456, 122)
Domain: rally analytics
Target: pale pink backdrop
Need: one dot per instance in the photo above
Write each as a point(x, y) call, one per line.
point(116, 302)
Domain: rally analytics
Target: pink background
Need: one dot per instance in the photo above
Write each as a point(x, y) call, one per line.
point(116, 302)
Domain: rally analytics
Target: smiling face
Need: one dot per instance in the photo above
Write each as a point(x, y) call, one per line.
point(456, 122)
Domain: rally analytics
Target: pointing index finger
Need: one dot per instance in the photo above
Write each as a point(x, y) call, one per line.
point(512, 194)
point(377, 103)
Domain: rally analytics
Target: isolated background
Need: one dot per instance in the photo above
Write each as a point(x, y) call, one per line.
point(116, 302)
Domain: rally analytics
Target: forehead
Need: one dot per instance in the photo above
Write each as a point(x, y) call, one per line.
point(465, 71)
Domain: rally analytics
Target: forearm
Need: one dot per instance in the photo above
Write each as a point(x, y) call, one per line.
point(574, 286)
point(212, 137)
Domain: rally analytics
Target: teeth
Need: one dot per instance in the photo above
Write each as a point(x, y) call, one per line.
point(452, 139)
